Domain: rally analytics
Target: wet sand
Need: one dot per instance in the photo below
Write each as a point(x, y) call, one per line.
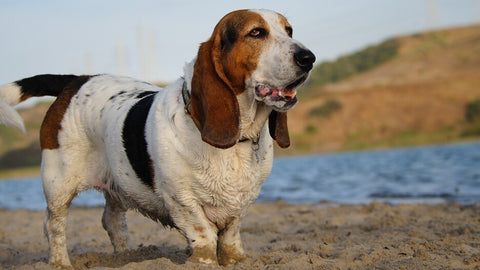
point(275, 235)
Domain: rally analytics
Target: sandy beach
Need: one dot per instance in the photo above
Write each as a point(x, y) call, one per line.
point(276, 236)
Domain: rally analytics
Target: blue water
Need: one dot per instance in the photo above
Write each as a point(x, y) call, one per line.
point(425, 174)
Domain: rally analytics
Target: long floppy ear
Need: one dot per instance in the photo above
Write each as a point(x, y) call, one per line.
point(215, 109)
point(277, 125)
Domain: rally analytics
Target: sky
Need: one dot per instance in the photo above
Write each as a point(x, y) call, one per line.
point(153, 39)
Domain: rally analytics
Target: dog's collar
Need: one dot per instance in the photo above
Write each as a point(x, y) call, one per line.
point(188, 109)
point(253, 140)
point(186, 98)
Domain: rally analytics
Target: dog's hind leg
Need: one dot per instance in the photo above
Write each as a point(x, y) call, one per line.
point(114, 222)
point(60, 188)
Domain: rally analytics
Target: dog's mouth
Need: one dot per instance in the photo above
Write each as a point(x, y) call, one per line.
point(281, 98)
point(264, 91)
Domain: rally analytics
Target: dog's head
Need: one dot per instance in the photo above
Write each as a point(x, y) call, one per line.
point(249, 50)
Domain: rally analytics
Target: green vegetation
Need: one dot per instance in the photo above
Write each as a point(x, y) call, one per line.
point(363, 141)
point(346, 66)
point(472, 112)
point(472, 117)
point(310, 129)
point(430, 42)
point(326, 109)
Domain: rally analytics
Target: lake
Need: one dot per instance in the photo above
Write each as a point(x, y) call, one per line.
point(430, 174)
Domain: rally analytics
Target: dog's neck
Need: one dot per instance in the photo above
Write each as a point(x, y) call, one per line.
point(253, 114)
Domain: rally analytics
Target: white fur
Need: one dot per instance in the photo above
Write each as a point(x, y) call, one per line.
point(205, 190)
point(199, 185)
point(9, 96)
point(276, 67)
point(10, 93)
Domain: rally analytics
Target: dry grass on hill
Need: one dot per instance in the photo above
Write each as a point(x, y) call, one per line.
point(417, 97)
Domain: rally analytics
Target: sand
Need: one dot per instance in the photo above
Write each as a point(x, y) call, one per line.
point(276, 236)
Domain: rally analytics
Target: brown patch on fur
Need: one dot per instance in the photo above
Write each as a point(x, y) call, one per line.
point(236, 62)
point(229, 254)
point(199, 229)
point(277, 125)
point(223, 63)
point(52, 123)
point(24, 97)
point(204, 254)
point(215, 108)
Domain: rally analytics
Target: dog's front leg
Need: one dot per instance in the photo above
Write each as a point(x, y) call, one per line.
point(202, 239)
point(201, 234)
point(230, 249)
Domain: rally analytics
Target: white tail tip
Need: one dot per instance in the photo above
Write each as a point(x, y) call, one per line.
point(10, 117)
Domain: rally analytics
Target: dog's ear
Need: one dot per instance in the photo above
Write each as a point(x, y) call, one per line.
point(214, 106)
point(277, 125)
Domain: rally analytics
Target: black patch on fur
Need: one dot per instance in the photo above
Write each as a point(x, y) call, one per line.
point(164, 217)
point(45, 85)
point(146, 93)
point(117, 95)
point(134, 141)
point(229, 37)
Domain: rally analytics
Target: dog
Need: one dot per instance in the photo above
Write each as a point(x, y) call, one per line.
point(191, 156)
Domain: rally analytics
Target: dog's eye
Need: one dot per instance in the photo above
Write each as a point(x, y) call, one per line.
point(258, 33)
point(289, 31)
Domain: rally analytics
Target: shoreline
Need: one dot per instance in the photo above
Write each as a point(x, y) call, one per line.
point(275, 235)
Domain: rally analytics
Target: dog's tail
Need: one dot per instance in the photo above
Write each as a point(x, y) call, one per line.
point(21, 90)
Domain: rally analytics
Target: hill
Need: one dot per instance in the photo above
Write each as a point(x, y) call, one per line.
point(410, 90)
point(418, 89)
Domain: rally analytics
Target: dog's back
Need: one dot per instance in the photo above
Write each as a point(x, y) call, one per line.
point(86, 118)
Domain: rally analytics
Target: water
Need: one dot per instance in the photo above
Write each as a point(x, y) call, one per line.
point(425, 174)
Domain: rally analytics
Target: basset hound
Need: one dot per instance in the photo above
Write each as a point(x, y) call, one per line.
point(191, 156)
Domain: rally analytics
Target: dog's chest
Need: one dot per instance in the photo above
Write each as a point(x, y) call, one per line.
point(226, 184)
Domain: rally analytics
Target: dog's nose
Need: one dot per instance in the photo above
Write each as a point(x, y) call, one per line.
point(304, 59)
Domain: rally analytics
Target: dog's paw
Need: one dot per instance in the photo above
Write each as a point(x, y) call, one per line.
point(204, 255)
point(229, 255)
